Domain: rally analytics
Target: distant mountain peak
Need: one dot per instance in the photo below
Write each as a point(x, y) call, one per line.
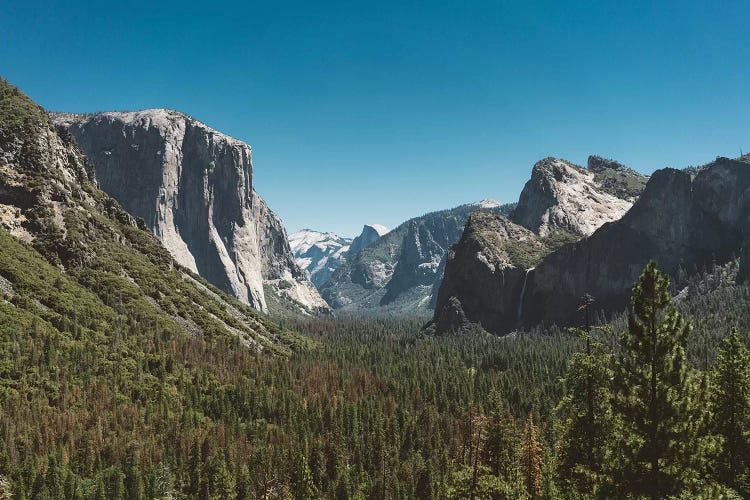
point(400, 271)
point(380, 229)
point(487, 203)
point(319, 253)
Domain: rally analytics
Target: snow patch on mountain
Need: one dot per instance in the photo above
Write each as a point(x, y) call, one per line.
point(380, 229)
point(319, 253)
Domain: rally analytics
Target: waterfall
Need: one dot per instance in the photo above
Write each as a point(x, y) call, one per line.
point(523, 292)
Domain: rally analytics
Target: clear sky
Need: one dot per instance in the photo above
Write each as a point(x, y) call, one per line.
point(375, 112)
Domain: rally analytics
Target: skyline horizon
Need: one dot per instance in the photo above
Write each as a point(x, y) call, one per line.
point(392, 226)
point(360, 114)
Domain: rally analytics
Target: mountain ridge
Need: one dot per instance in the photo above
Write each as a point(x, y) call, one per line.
point(398, 273)
point(683, 221)
point(76, 263)
point(319, 253)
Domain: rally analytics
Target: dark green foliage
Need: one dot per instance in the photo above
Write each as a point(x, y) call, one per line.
point(658, 434)
point(585, 418)
point(17, 111)
point(105, 396)
point(731, 408)
point(623, 183)
point(656, 394)
point(502, 440)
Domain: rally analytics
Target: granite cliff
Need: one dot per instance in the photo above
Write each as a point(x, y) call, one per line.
point(489, 270)
point(193, 188)
point(369, 235)
point(563, 196)
point(685, 223)
point(73, 262)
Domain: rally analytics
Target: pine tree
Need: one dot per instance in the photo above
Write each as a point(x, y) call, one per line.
point(133, 478)
point(72, 487)
point(585, 418)
point(195, 471)
point(731, 408)
point(301, 479)
point(655, 396)
point(220, 479)
point(53, 480)
point(531, 459)
point(244, 490)
point(501, 439)
point(476, 437)
point(424, 489)
point(100, 489)
point(115, 482)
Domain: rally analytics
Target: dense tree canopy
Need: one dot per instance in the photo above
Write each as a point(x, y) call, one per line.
point(374, 408)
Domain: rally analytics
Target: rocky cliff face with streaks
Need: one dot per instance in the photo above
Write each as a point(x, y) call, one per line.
point(193, 188)
point(563, 196)
point(686, 224)
point(489, 271)
point(486, 274)
point(77, 264)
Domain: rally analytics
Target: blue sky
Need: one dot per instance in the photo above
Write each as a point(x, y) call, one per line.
point(374, 112)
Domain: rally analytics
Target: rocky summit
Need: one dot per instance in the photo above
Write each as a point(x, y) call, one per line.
point(369, 235)
point(193, 188)
point(563, 196)
point(488, 271)
point(685, 223)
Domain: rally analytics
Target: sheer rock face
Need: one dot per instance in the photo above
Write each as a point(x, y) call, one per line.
point(49, 199)
point(744, 274)
point(681, 223)
point(369, 235)
point(193, 187)
point(562, 196)
point(484, 283)
point(489, 270)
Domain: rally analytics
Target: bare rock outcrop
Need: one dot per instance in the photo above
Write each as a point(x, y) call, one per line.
point(563, 196)
point(686, 224)
point(485, 276)
point(490, 271)
point(193, 187)
point(369, 235)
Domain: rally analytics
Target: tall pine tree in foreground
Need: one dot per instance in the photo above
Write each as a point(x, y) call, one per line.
point(731, 408)
point(657, 398)
point(585, 420)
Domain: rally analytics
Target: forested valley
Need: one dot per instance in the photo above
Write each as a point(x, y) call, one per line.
point(651, 404)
